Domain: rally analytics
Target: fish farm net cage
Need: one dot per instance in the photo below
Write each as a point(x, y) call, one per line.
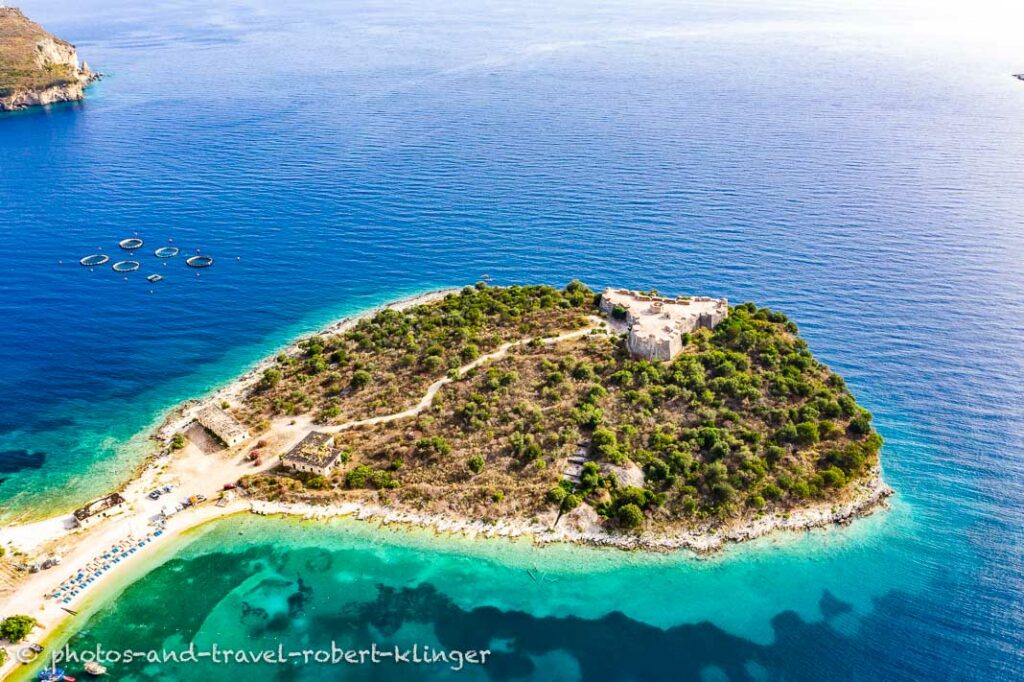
point(126, 266)
point(131, 243)
point(94, 259)
point(166, 252)
point(199, 262)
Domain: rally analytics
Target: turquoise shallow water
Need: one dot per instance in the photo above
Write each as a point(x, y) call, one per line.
point(557, 612)
point(856, 166)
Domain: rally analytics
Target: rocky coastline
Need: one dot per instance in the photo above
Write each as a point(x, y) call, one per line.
point(863, 499)
point(36, 67)
point(870, 496)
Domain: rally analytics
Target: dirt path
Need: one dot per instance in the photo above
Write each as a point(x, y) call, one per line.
point(428, 397)
point(193, 471)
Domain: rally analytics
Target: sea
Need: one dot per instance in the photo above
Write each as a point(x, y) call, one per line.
point(857, 165)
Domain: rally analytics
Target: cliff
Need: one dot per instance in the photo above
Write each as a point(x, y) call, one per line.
point(37, 68)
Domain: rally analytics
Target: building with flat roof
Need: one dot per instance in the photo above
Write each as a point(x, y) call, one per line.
point(105, 507)
point(222, 425)
point(314, 454)
point(656, 324)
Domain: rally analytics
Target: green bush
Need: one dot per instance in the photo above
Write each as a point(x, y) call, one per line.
point(476, 464)
point(317, 483)
point(570, 502)
point(433, 445)
point(16, 628)
point(630, 516)
point(807, 433)
point(271, 378)
point(361, 379)
point(364, 476)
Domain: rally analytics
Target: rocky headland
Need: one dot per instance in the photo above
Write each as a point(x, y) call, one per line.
point(36, 67)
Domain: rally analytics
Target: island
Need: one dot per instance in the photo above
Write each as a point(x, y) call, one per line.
point(622, 418)
point(37, 68)
point(619, 415)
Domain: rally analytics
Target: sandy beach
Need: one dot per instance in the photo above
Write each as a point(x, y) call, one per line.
point(190, 471)
point(97, 556)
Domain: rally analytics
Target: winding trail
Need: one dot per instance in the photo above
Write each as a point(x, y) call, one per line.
point(193, 471)
point(428, 397)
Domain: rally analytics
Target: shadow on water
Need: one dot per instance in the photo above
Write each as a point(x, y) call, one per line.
point(13, 461)
point(614, 647)
point(258, 599)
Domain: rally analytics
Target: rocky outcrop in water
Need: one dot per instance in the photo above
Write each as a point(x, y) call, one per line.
point(37, 68)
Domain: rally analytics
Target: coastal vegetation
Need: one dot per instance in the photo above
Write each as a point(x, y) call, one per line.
point(35, 66)
point(16, 628)
point(742, 422)
point(385, 363)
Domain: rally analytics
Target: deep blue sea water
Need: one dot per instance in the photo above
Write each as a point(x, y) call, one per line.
point(859, 166)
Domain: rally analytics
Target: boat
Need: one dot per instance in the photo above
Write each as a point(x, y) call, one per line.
point(154, 278)
point(96, 669)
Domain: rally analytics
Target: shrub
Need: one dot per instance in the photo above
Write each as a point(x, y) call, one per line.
point(433, 445)
point(557, 494)
point(570, 502)
point(584, 372)
point(587, 416)
point(271, 377)
point(178, 441)
point(16, 628)
point(630, 516)
point(860, 425)
point(476, 464)
point(358, 476)
point(364, 476)
point(833, 477)
point(807, 433)
point(360, 379)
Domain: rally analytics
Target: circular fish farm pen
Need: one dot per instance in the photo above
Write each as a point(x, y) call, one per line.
point(94, 259)
point(199, 262)
point(166, 252)
point(130, 244)
point(126, 266)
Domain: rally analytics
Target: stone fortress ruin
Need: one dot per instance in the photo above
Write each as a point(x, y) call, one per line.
point(655, 324)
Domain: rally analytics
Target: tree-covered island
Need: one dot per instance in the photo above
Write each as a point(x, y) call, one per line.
point(537, 422)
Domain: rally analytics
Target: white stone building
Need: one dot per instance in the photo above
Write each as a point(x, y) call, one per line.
point(222, 425)
point(314, 454)
point(656, 324)
point(105, 507)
